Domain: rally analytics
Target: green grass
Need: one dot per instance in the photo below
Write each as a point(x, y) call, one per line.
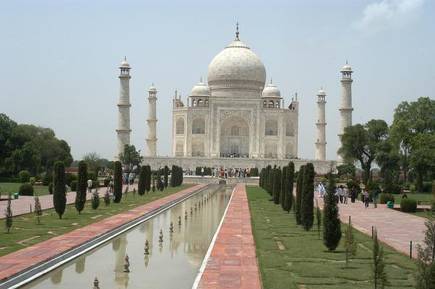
point(26, 232)
point(421, 198)
point(6, 188)
point(305, 262)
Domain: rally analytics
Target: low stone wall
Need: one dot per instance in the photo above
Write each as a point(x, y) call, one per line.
point(321, 167)
point(211, 180)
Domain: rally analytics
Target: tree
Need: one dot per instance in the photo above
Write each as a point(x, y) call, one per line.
point(289, 179)
point(362, 143)
point(331, 220)
point(425, 277)
point(95, 200)
point(38, 210)
point(59, 194)
point(141, 184)
point(299, 195)
point(130, 157)
point(8, 215)
point(349, 242)
point(411, 119)
point(346, 170)
point(307, 198)
point(94, 162)
point(422, 158)
point(276, 185)
point(81, 186)
point(282, 194)
point(117, 182)
point(147, 180)
point(379, 275)
point(318, 218)
point(165, 176)
point(389, 161)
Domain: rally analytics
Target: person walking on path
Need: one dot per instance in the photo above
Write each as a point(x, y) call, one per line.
point(89, 186)
point(345, 194)
point(366, 198)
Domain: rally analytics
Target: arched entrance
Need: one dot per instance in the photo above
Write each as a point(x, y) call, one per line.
point(234, 138)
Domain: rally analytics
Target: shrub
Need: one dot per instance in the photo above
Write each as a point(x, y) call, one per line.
point(107, 198)
point(427, 187)
point(385, 198)
point(59, 194)
point(26, 190)
point(95, 200)
point(69, 178)
point(73, 185)
point(408, 205)
point(392, 189)
point(24, 176)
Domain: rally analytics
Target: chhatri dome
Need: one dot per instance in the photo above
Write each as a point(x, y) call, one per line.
point(237, 67)
point(201, 89)
point(271, 90)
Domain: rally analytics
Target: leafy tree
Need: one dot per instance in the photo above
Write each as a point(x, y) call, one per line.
point(346, 170)
point(422, 158)
point(411, 119)
point(81, 186)
point(379, 275)
point(276, 185)
point(130, 157)
point(94, 162)
point(24, 176)
point(331, 220)
point(350, 244)
point(288, 194)
point(389, 161)
point(299, 188)
point(425, 277)
point(38, 210)
point(141, 184)
point(59, 194)
point(117, 182)
point(7, 126)
point(8, 215)
point(307, 199)
point(362, 143)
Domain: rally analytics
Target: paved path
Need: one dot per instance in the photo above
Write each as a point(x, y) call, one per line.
point(20, 260)
point(22, 205)
point(233, 263)
point(394, 227)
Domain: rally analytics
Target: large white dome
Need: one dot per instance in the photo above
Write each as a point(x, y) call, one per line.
point(236, 67)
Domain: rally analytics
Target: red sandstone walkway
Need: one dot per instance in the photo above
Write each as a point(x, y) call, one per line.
point(18, 261)
point(394, 227)
point(233, 263)
point(23, 204)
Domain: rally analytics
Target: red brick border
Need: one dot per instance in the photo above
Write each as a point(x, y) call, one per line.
point(21, 260)
point(233, 263)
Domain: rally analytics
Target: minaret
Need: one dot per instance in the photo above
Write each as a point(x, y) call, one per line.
point(346, 101)
point(152, 122)
point(321, 125)
point(124, 130)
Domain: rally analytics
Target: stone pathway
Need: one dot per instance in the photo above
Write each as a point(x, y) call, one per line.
point(22, 205)
point(394, 228)
point(233, 263)
point(18, 261)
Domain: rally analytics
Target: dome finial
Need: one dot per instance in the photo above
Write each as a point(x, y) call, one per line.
point(237, 31)
point(200, 79)
point(271, 80)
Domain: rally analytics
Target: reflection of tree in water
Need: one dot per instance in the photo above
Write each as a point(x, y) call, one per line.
point(115, 244)
point(121, 278)
point(56, 277)
point(80, 264)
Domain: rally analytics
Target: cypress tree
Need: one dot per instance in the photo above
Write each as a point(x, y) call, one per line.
point(379, 275)
point(288, 198)
point(166, 176)
point(38, 210)
point(8, 215)
point(307, 199)
point(331, 221)
point(147, 178)
point(81, 186)
point(59, 194)
point(350, 243)
point(141, 183)
point(276, 185)
point(299, 195)
point(117, 182)
point(282, 194)
point(173, 176)
point(269, 180)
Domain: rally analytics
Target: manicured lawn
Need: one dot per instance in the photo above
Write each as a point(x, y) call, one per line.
point(25, 231)
point(6, 188)
point(304, 262)
point(422, 199)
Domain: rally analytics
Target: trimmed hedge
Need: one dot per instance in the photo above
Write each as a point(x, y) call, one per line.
point(408, 205)
point(24, 176)
point(385, 197)
point(26, 190)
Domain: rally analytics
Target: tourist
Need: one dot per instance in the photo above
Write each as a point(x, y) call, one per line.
point(345, 194)
point(366, 198)
point(352, 194)
point(89, 185)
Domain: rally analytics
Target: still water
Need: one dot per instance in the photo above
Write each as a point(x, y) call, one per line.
point(173, 263)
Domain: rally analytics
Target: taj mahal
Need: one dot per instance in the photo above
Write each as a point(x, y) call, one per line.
point(234, 119)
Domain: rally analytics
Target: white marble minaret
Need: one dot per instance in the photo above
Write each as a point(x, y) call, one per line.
point(152, 122)
point(123, 131)
point(346, 101)
point(320, 154)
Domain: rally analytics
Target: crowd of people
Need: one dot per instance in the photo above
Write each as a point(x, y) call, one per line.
point(224, 173)
point(343, 194)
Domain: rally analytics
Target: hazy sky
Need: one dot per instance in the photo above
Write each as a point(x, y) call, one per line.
point(60, 59)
